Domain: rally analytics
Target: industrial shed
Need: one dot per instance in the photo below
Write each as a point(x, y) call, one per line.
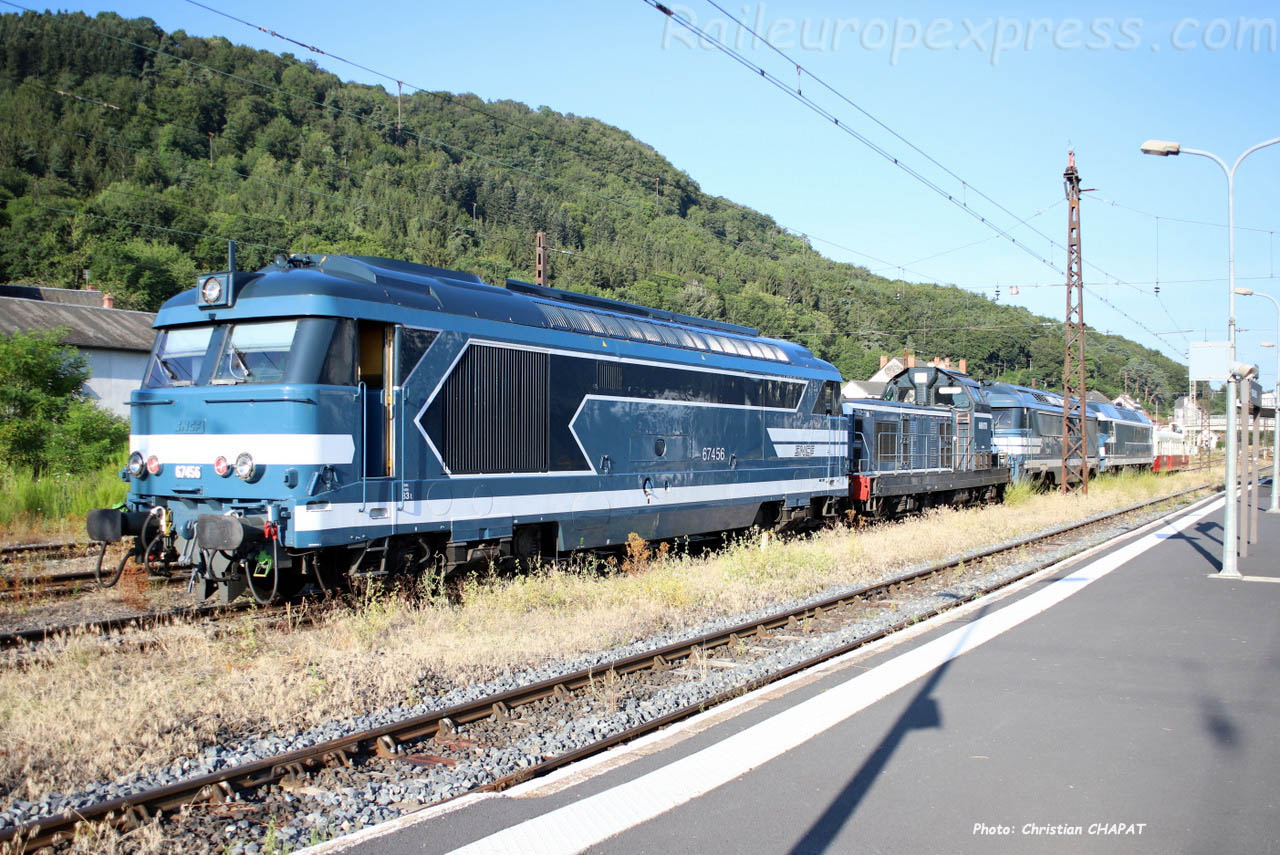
point(115, 342)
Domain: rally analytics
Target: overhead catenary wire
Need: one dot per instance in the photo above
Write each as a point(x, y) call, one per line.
point(374, 122)
point(826, 114)
point(965, 185)
point(385, 125)
point(818, 109)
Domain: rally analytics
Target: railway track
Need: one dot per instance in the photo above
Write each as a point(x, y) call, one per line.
point(59, 548)
point(63, 584)
point(104, 626)
point(397, 740)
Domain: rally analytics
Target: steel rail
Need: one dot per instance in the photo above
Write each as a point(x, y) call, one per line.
point(105, 625)
point(23, 548)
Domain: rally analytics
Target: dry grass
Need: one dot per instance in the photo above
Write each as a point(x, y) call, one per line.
point(81, 714)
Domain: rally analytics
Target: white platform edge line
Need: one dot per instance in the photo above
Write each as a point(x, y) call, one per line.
point(1182, 519)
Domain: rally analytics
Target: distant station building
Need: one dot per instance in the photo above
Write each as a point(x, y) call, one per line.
point(114, 342)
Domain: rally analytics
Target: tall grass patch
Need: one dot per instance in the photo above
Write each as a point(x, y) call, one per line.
point(30, 502)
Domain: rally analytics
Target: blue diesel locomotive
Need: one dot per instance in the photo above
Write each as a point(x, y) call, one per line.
point(1126, 438)
point(1028, 431)
point(330, 416)
point(335, 414)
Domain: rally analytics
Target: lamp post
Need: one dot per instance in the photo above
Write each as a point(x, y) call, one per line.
point(1230, 525)
point(1275, 405)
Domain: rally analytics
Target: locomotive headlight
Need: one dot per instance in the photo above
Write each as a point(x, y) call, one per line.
point(244, 466)
point(153, 465)
point(211, 290)
point(136, 465)
point(222, 466)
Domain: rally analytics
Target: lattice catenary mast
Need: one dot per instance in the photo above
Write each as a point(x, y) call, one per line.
point(1075, 460)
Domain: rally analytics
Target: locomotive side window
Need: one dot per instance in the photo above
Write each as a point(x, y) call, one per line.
point(178, 356)
point(413, 346)
point(886, 442)
point(1009, 419)
point(340, 362)
point(256, 352)
point(828, 399)
point(1049, 424)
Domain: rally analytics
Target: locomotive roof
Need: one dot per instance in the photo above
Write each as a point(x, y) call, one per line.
point(1011, 395)
point(956, 378)
point(1117, 413)
point(316, 284)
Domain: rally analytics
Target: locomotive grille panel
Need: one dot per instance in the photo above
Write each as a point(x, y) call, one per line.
point(495, 412)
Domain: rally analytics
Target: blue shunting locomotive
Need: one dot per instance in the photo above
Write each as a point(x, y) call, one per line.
point(335, 414)
point(928, 442)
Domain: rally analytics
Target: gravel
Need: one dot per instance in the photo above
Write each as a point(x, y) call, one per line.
point(341, 799)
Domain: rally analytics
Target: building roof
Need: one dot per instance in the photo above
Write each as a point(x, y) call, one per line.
point(73, 296)
point(863, 389)
point(86, 325)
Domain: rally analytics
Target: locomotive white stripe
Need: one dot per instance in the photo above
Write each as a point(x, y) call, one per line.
point(1016, 444)
point(811, 449)
point(281, 449)
point(898, 409)
point(479, 505)
point(824, 436)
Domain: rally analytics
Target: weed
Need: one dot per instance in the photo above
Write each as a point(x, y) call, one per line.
point(607, 690)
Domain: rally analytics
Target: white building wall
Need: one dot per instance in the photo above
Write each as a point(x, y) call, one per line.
point(113, 374)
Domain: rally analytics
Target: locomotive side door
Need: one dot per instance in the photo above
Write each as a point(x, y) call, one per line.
point(377, 361)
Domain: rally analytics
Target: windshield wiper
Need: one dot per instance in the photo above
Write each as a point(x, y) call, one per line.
point(174, 379)
point(164, 366)
point(239, 358)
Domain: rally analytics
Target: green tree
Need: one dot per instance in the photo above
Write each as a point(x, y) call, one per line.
point(39, 378)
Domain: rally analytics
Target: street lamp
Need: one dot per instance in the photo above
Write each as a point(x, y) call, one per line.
point(1164, 148)
point(1275, 404)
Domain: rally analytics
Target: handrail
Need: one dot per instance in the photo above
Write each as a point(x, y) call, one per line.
point(260, 401)
point(399, 393)
point(362, 392)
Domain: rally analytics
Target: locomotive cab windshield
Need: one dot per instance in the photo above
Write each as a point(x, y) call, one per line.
point(295, 350)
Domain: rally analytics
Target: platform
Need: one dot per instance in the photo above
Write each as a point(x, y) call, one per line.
point(1125, 702)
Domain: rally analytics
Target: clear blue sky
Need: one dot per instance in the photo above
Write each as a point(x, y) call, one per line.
point(995, 94)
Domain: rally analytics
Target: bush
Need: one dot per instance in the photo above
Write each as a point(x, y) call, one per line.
point(86, 439)
point(46, 425)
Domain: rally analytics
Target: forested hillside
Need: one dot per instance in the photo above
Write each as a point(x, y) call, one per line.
point(134, 154)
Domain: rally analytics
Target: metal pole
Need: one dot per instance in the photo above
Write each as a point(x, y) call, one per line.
point(1074, 470)
point(1231, 531)
point(1255, 480)
point(1274, 507)
point(1241, 544)
point(1275, 432)
point(1230, 539)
